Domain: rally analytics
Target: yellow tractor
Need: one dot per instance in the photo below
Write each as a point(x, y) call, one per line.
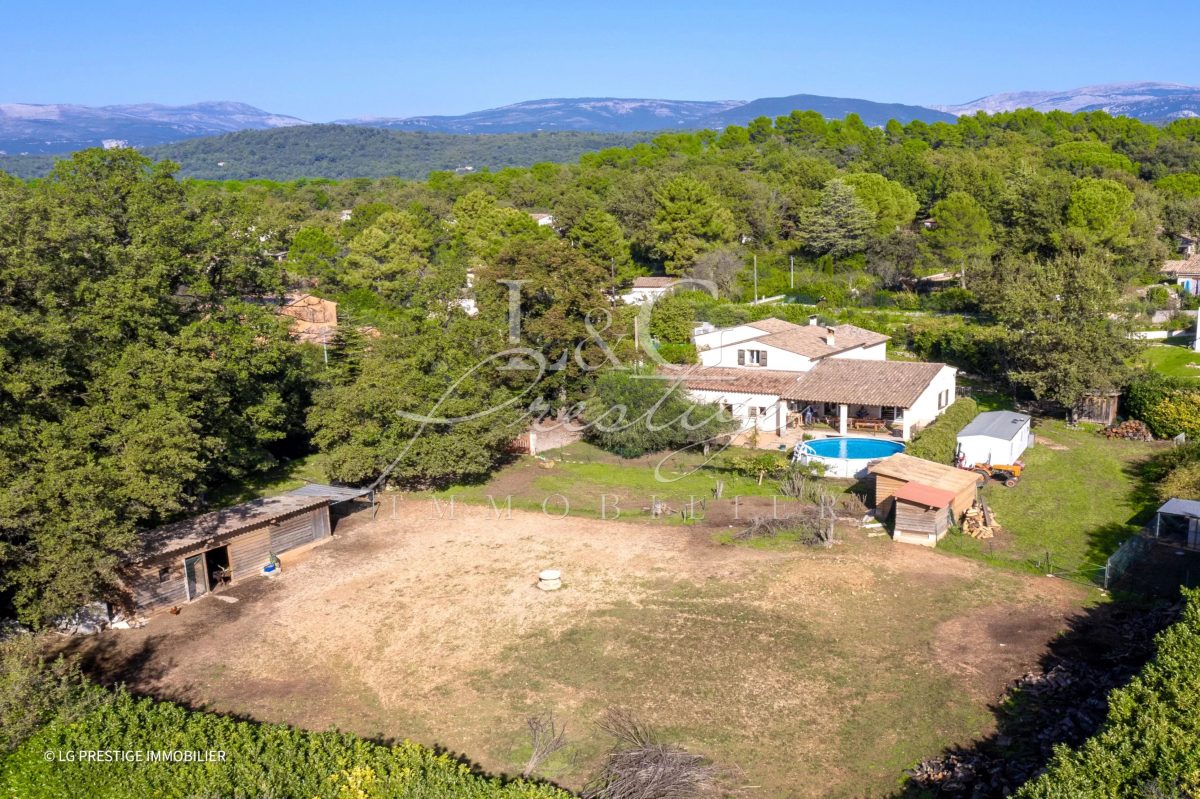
point(1009, 473)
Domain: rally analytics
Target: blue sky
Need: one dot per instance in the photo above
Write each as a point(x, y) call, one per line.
point(329, 60)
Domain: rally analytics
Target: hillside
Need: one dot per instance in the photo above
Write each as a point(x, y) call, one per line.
point(42, 129)
point(1147, 101)
point(342, 151)
point(612, 114)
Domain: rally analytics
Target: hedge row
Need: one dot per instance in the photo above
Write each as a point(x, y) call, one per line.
point(1148, 745)
point(939, 441)
point(260, 761)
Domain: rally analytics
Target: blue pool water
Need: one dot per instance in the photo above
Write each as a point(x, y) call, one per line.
point(854, 448)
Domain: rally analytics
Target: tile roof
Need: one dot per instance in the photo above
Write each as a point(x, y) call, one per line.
point(811, 340)
point(838, 380)
point(773, 325)
point(653, 282)
point(897, 383)
point(1189, 267)
point(921, 494)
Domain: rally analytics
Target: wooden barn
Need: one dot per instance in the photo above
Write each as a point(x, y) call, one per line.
point(181, 562)
point(894, 473)
point(923, 514)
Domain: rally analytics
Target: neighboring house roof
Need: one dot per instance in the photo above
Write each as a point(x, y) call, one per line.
point(1003, 425)
point(1181, 507)
point(921, 494)
point(193, 532)
point(838, 380)
point(1189, 267)
point(916, 470)
point(653, 282)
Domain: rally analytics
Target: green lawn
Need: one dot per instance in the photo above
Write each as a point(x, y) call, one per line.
point(1173, 360)
point(591, 479)
point(1079, 498)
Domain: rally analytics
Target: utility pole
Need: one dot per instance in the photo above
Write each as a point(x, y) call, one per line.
point(792, 268)
point(756, 280)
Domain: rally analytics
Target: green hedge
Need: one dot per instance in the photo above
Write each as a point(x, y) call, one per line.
point(939, 441)
point(1148, 745)
point(261, 760)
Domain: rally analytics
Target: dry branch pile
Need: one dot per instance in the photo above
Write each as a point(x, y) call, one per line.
point(1131, 429)
point(641, 766)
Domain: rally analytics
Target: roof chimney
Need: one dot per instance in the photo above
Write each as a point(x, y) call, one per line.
point(830, 336)
point(812, 320)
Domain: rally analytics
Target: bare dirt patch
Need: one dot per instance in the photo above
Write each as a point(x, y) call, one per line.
point(818, 673)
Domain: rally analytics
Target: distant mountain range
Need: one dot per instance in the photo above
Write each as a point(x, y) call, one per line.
point(52, 129)
point(621, 115)
point(38, 129)
point(1149, 102)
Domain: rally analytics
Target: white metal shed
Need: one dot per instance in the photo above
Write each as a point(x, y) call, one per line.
point(997, 437)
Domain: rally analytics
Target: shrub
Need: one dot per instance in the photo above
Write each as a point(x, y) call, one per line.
point(1168, 406)
point(1147, 746)
point(939, 441)
point(260, 760)
point(32, 691)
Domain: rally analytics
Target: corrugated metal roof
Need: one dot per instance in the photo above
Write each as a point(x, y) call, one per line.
point(1003, 425)
point(921, 494)
point(199, 530)
point(334, 494)
point(1181, 507)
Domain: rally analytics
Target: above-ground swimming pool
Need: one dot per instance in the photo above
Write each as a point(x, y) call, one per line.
point(846, 457)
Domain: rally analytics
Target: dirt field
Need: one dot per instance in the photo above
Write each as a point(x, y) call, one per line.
point(814, 673)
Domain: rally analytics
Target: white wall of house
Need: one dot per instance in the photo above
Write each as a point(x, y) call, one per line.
point(642, 295)
point(723, 337)
point(765, 411)
point(776, 359)
point(937, 396)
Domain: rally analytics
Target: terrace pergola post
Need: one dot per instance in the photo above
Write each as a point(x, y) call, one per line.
point(843, 417)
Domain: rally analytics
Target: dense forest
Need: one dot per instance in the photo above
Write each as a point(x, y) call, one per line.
point(347, 151)
point(143, 370)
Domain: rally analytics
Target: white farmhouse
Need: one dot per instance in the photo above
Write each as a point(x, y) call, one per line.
point(774, 374)
point(995, 437)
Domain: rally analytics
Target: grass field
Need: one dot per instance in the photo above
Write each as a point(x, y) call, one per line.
point(1173, 360)
point(595, 483)
point(1079, 498)
point(805, 673)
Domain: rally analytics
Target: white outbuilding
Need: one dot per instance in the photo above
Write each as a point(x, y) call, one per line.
point(996, 437)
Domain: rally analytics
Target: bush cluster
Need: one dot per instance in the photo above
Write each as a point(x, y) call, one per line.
point(1147, 746)
point(939, 441)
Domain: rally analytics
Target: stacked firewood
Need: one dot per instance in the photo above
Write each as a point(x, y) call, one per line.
point(979, 522)
point(1130, 429)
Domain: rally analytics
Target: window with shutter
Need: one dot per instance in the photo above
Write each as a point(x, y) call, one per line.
point(741, 357)
point(762, 358)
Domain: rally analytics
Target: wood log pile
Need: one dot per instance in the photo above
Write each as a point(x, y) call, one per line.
point(979, 521)
point(1063, 704)
point(1131, 429)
